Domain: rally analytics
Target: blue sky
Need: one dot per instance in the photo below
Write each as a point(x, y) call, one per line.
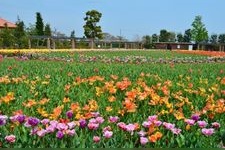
point(134, 18)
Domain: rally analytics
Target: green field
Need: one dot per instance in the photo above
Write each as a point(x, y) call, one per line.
point(49, 88)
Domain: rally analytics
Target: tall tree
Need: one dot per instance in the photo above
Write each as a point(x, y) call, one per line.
point(147, 41)
point(7, 37)
point(199, 32)
point(20, 34)
point(164, 36)
point(221, 38)
point(47, 31)
point(187, 35)
point(214, 39)
point(180, 37)
point(91, 30)
point(39, 24)
point(171, 36)
point(72, 35)
point(154, 38)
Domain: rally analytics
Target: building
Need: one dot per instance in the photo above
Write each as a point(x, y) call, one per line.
point(174, 45)
point(4, 22)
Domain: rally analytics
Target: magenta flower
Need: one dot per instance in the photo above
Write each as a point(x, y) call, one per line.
point(69, 114)
point(130, 128)
point(92, 120)
point(216, 125)
point(82, 123)
point(143, 140)
point(190, 121)
point(168, 126)
point(113, 119)
point(108, 128)
point(61, 126)
point(93, 126)
point(45, 121)
point(95, 114)
point(33, 131)
point(70, 132)
point(146, 124)
point(202, 124)
point(71, 125)
point(21, 118)
point(33, 121)
point(207, 132)
point(59, 135)
point(100, 120)
point(50, 129)
point(3, 119)
point(122, 125)
point(153, 118)
point(176, 131)
point(142, 133)
point(54, 123)
point(10, 138)
point(96, 139)
point(108, 134)
point(195, 117)
point(41, 132)
point(157, 123)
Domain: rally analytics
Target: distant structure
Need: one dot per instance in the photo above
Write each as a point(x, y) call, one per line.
point(4, 23)
point(174, 45)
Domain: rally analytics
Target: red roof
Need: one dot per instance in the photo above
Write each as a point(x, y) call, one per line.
point(9, 24)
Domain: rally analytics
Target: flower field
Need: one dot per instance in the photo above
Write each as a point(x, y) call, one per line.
point(141, 99)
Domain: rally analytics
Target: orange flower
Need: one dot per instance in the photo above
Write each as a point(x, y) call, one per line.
point(223, 81)
point(108, 108)
point(44, 101)
point(129, 105)
point(112, 99)
point(67, 87)
point(66, 100)
point(75, 107)
point(56, 112)
point(9, 97)
point(152, 138)
point(114, 77)
point(123, 84)
point(30, 103)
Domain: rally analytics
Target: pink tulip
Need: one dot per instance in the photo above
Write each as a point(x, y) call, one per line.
point(202, 124)
point(190, 121)
point(143, 140)
point(96, 139)
point(216, 125)
point(207, 132)
point(41, 132)
point(108, 134)
point(10, 138)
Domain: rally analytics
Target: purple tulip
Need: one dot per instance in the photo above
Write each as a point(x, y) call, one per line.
point(82, 123)
point(195, 117)
point(33, 121)
point(59, 135)
point(69, 114)
point(21, 118)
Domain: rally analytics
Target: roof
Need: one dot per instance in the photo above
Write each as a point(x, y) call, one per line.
point(9, 24)
point(177, 43)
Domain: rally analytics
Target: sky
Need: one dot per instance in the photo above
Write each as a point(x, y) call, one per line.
point(129, 18)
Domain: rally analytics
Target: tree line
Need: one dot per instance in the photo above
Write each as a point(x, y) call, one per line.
point(18, 38)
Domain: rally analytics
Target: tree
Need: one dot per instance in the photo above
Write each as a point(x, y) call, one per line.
point(147, 41)
point(221, 38)
point(199, 32)
point(164, 36)
point(91, 30)
point(187, 35)
point(72, 35)
point(47, 31)
point(180, 37)
point(7, 37)
point(171, 37)
point(39, 24)
point(213, 39)
point(20, 34)
point(154, 38)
